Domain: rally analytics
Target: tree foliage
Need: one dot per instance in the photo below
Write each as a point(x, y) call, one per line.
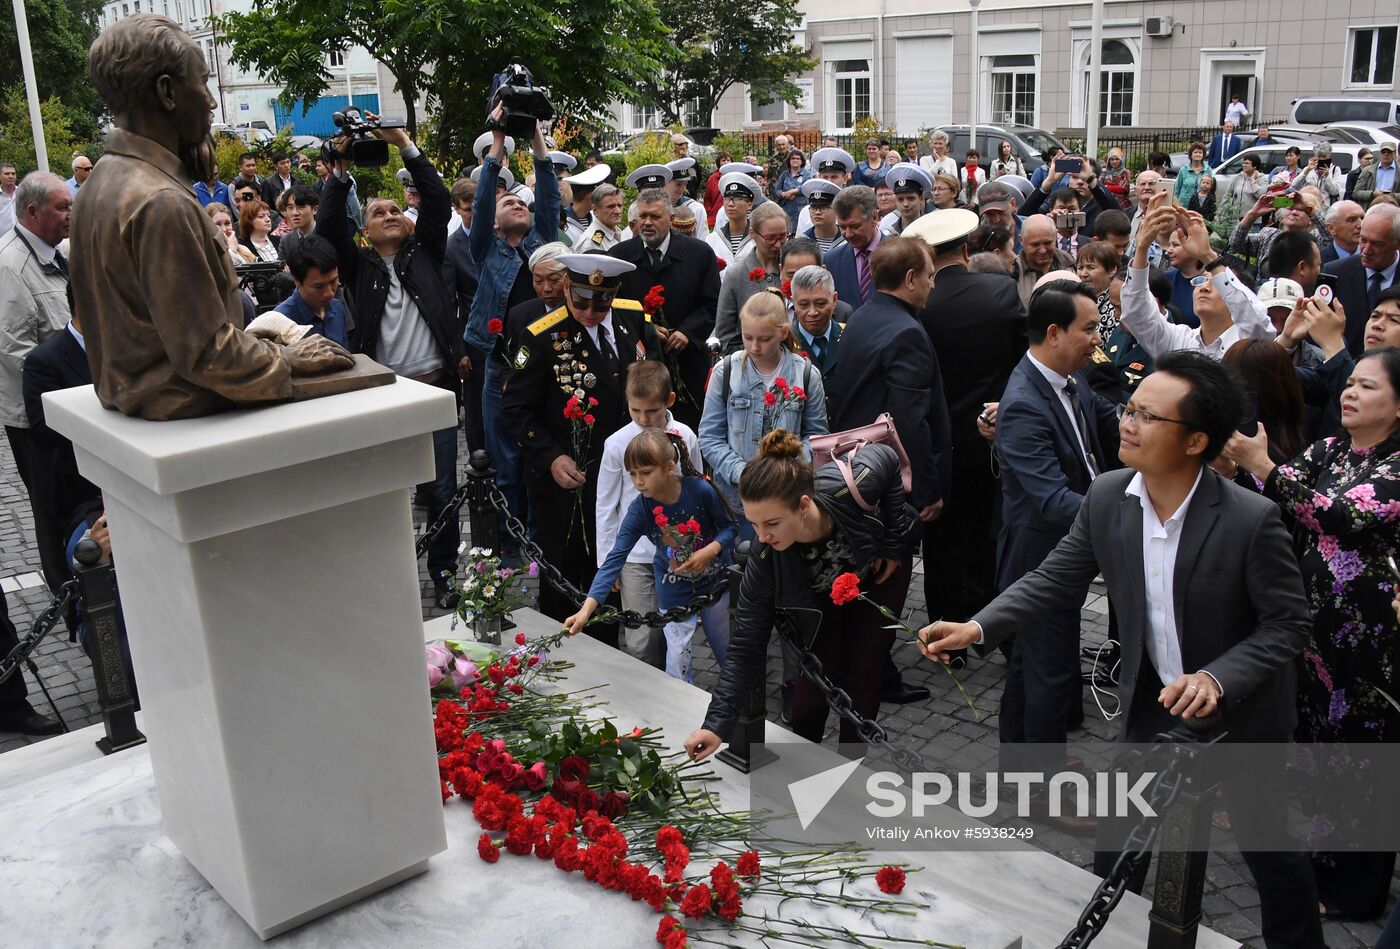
point(60, 32)
point(63, 137)
point(585, 52)
point(719, 43)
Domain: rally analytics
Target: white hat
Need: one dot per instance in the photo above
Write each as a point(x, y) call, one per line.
point(741, 167)
point(1280, 291)
point(740, 185)
point(563, 161)
point(1022, 185)
point(820, 192)
point(406, 179)
point(591, 177)
point(1054, 275)
point(907, 177)
point(598, 271)
point(830, 159)
point(943, 229)
point(649, 176)
point(482, 145)
point(506, 176)
point(680, 166)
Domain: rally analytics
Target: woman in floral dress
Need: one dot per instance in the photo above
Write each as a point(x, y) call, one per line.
point(1345, 493)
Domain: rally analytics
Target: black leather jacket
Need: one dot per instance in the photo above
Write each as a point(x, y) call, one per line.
point(778, 580)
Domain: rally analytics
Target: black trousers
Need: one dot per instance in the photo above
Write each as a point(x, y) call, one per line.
point(960, 548)
point(1042, 690)
point(1254, 795)
point(14, 706)
point(472, 424)
point(48, 531)
point(565, 526)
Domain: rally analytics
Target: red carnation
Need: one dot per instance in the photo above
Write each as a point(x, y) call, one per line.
point(799, 392)
point(589, 419)
point(486, 849)
point(845, 588)
point(758, 273)
point(668, 923)
point(592, 401)
point(697, 901)
point(494, 326)
point(770, 399)
point(668, 837)
point(787, 288)
point(890, 880)
point(780, 384)
point(748, 863)
point(520, 639)
point(721, 263)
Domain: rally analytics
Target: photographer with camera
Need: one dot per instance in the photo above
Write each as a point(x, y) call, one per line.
point(1323, 175)
point(1084, 181)
point(501, 241)
point(405, 314)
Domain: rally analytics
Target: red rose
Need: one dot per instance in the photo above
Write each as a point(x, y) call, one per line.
point(574, 768)
point(748, 863)
point(537, 776)
point(520, 639)
point(770, 399)
point(494, 326)
point(721, 263)
point(486, 849)
point(615, 804)
point(758, 273)
point(588, 800)
point(890, 880)
point(635, 733)
point(696, 902)
point(845, 588)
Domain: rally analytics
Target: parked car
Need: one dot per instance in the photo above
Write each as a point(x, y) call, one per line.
point(1362, 133)
point(1028, 144)
point(1320, 110)
point(659, 136)
point(1271, 157)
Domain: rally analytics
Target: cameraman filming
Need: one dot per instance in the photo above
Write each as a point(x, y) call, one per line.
point(1323, 175)
point(405, 314)
point(501, 240)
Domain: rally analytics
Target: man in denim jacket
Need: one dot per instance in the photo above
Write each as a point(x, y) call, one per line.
point(501, 241)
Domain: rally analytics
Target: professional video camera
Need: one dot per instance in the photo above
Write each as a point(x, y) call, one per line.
point(523, 104)
point(363, 149)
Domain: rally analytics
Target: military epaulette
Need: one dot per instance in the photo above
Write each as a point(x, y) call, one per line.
point(621, 303)
point(548, 321)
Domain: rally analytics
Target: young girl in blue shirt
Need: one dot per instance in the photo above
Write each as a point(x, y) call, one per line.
point(694, 532)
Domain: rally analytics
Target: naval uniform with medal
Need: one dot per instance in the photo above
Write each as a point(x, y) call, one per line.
point(559, 356)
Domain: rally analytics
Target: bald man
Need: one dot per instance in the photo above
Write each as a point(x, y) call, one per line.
point(1039, 255)
point(1144, 187)
point(1344, 224)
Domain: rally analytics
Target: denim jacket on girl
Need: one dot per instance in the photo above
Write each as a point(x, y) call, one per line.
point(730, 431)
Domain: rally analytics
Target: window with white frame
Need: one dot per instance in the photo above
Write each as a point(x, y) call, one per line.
point(645, 117)
point(690, 114)
point(851, 92)
point(1117, 84)
point(335, 59)
point(1013, 89)
point(1371, 55)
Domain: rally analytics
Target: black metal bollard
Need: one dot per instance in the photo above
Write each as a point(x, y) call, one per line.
point(481, 479)
point(746, 750)
point(1183, 843)
point(97, 585)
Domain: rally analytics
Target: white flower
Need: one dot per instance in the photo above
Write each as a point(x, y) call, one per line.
point(490, 591)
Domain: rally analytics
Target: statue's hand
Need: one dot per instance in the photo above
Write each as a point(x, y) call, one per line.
point(314, 355)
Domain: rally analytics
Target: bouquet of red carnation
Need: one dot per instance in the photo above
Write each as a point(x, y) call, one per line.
point(682, 540)
point(846, 588)
point(778, 399)
point(654, 300)
point(653, 305)
point(581, 422)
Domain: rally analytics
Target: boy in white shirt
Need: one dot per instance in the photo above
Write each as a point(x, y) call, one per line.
point(650, 396)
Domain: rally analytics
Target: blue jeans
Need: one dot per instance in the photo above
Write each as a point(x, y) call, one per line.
point(504, 452)
point(436, 496)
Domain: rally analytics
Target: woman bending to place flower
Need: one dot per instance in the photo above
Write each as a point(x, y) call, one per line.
point(694, 532)
point(1345, 494)
point(811, 531)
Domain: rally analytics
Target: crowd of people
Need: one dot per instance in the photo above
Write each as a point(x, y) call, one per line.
point(1055, 376)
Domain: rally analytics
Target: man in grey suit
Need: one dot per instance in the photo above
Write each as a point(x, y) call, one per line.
point(1211, 611)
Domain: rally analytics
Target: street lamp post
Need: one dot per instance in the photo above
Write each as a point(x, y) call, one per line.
point(1091, 113)
point(976, 79)
point(26, 59)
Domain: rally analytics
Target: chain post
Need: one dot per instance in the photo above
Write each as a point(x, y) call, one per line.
point(97, 586)
point(1182, 848)
point(481, 480)
point(747, 750)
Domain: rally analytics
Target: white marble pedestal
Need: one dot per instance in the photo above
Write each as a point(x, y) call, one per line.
point(271, 594)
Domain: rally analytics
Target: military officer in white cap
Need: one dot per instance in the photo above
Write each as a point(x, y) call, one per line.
point(605, 232)
point(680, 179)
point(911, 186)
point(482, 145)
point(579, 214)
point(820, 193)
point(832, 164)
point(563, 162)
point(742, 167)
point(731, 240)
point(410, 195)
point(649, 176)
point(579, 350)
point(505, 184)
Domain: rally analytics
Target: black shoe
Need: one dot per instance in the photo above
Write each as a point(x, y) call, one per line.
point(35, 724)
point(443, 594)
point(788, 689)
point(905, 694)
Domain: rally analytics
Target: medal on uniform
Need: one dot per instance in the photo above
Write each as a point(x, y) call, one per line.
point(590, 380)
point(522, 357)
point(641, 351)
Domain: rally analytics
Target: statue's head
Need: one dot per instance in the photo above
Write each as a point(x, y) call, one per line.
point(152, 75)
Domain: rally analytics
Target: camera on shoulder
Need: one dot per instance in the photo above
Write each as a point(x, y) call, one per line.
point(524, 105)
point(363, 148)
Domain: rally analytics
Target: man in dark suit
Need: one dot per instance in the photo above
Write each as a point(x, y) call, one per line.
point(59, 362)
point(858, 218)
point(888, 365)
point(1054, 435)
point(280, 180)
point(1224, 146)
point(1373, 268)
point(818, 313)
point(977, 326)
point(685, 268)
point(1211, 612)
point(581, 349)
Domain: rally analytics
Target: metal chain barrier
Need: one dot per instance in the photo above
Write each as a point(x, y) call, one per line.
point(42, 627)
point(448, 514)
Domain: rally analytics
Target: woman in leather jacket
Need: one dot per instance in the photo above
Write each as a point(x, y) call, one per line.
point(810, 531)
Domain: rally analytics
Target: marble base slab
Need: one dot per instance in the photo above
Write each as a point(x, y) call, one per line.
point(91, 866)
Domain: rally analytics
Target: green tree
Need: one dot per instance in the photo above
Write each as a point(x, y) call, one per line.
point(61, 137)
point(585, 52)
point(720, 43)
point(60, 32)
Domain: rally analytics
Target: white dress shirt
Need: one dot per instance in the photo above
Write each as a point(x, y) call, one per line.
point(1158, 335)
point(1057, 382)
point(616, 491)
point(606, 326)
point(1387, 275)
point(1159, 546)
